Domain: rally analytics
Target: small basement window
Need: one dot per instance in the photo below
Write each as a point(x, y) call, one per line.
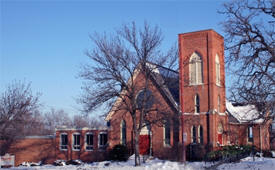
point(76, 141)
point(63, 141)
point(89, 141)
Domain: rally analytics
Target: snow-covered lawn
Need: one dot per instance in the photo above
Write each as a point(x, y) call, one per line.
point(156, 164)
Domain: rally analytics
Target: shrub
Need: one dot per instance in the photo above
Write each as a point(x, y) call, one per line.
point(119, 153)
point(229, 153)
point(196, 152)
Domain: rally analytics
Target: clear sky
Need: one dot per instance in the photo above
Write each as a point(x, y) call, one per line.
point(43, 41)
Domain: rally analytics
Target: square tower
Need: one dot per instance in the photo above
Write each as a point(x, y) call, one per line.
point(202, 72)
point(202, 88)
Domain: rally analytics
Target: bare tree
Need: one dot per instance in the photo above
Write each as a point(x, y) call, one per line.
point(110, 77)
point(59, 118)
point(56, 118)
point(81, 121)
point(17, 108)
point(250, 44)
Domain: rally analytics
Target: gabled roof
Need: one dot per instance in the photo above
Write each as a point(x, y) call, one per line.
point(239, 113)
point(167, 81)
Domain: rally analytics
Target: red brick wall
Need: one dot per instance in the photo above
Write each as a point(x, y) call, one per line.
point(33, 150)
point(261, 136)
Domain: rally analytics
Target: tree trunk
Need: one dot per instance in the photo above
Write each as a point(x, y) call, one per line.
point(137, 157)
point(136, 143)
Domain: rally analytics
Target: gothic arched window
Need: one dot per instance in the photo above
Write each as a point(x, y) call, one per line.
point(193, 134)
point(167, 133)
point(219, 104)
point(195, 69)
point(123, 132)
point(145, 99)
point(218, 72)
point(200, 134)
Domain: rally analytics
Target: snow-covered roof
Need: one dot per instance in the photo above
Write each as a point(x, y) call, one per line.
point(244, 113)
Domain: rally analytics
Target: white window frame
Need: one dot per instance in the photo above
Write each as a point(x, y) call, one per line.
point(200, 138)
point(218, 70)
point(60, 144)
point(86, 144)
point(73, 145)
point(219, 104)
point(250, 133)
point(164, 136)
point(196, 60)
point(102, 146)
point(121, 136)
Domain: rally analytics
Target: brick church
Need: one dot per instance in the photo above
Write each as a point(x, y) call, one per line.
point(198, 117)
point(201, 119)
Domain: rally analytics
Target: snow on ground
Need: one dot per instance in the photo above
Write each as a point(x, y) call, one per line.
point(156, 164)
point(248, 163)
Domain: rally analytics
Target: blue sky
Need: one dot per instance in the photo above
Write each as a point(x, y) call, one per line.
point(43, 41)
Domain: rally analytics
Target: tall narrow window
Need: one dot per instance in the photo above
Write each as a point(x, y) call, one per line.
point(102, 140)
point(197, 103)
point(63, 141)
point(167, 133)
point(200, 134)
point(195, 69)
point(250, 134)
point(193, 134)
point(219, 104)
point(76, 141)
point(89, 141)
point(123, 132)
point(218, 73)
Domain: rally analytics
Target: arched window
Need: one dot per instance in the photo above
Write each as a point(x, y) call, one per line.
point(197, 103)
point(145, 99)
point(195, 69)
point(218, 73)
point(123, 132)
point(219, 104)
point(250, 134)
point(167, 133)
point(200, 134)
point(193, 134)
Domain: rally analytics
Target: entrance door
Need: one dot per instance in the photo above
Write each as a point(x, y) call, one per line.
point(220, 132)
point(144, 141)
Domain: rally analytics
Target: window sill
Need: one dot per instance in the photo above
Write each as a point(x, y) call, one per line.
point(219, 85)
point(167, 145)
point(60, 148)
point(199, 84)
